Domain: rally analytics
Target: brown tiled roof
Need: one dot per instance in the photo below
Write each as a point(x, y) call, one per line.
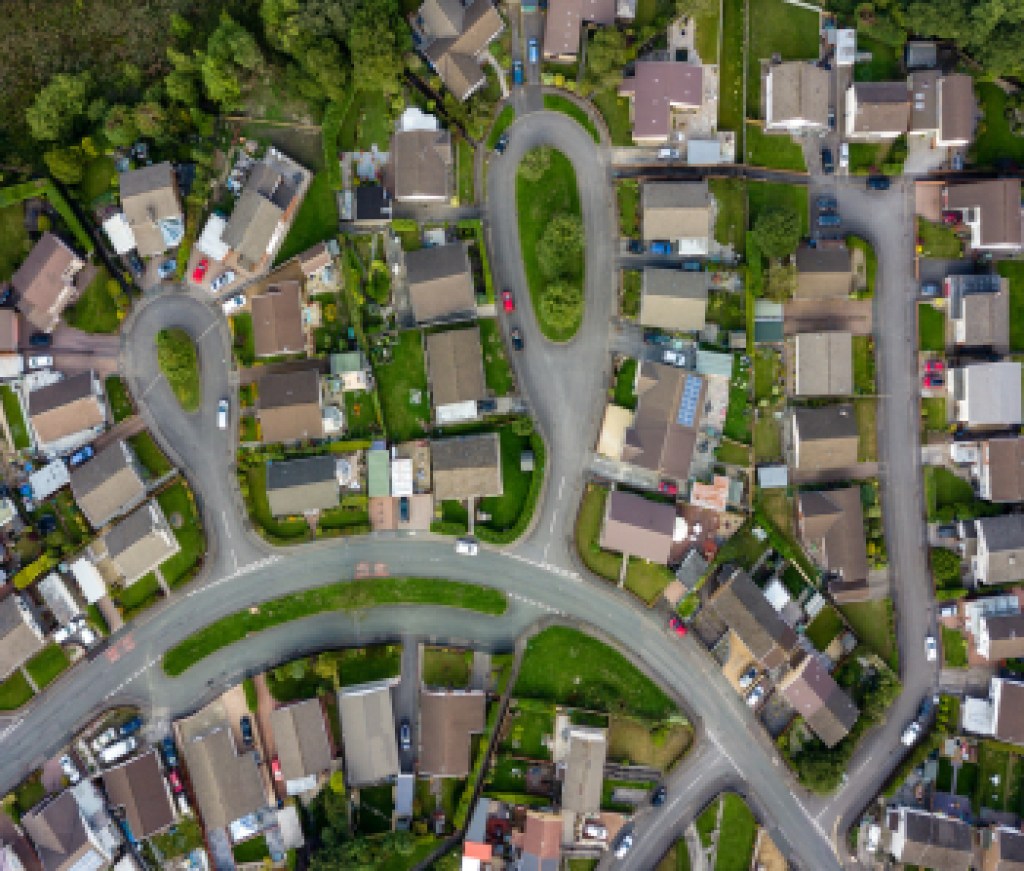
point(459, 35)
point(139, 788)
point(957, 108)
point(227, 786)
point(638, 527)
point(45, 283)
point(542, 835)
point(676, 210)
point(564, 19)
point(1006, 635)
point(832, 528)
point(140, 542)
point(1009, 719)
point(657, 441)
point(314, 259)
point(18, 641)
point(937, 842)
point(810, 689)
point(448, 722)
point(658, 87)
point(251, 226)
point(440, 283)
point(828, 437)
point(300, 733)
point(289, 407)
point(998, 202)
point(148, 195)
point(65, 408)
point(8, 330)
point(108, 485)
point(277, 320)
point(58, 832)
point(823, 272)
point(799, 92)
point(368, 730)
point(456, 366)
point(466, 466)
point(1005, 458)
point(741, 606)
point(421, 164)
point(881, 107)
point(674, 300)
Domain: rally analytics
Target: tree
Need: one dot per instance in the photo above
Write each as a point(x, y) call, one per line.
point(535, 163)
point(119, 126)
point(376, 58)
point(946, 567)
point(560, 248)
point(606, 56)
point(561, 304)
point(60, 104)
point(66, 164)
point(777, 232)
point(150, 118)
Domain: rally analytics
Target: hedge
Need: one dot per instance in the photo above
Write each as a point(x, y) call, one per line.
point(478, 231)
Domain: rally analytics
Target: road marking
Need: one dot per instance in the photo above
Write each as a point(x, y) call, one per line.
point(13, 727)
point(151, 385)
point(546, 566)
point(561, 487)
point(133, 677)
point(247, 569)
point(539, 605)
point(202, 335)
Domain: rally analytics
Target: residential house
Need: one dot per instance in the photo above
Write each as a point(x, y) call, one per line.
point(663, 434)
point(58, 600)
point(992, 211)
point(584, 769)
point(877, 110)
point(368, 731)
point(943, 107)
point(657, 91)
point(917, 837)
point(420, 170)
point(455, 365)
point(453, 35)
point(68, 413)
point(302, 485)
point(796, 98)
point(986, 395)
point(277, 320)
point(741, 605)
point(44, 285)
point(64, 838)
point(542, 842)
point(823, 272)
point(20, 634)
point(226, 784)
point(440, 284)
point(1000, 469)
point(316, 262)
point(824, 438)
point(152, 208)
point(108, 485)
point(138, 789)
point(289, 407)
point(448, 722)
point(999, 558)
point(16, 853)
point(1001, 715)
point(823, 364)
point(138, 544)
point(1000, 636)
point(678, 212)
point(831, 526)
point(1002, 849)
point(638, 527)
point(813, 694)
point(674, 300)
point(467, 467)
point(303, 745)
point(10, 331)
point(564, 20)
point(978, 308)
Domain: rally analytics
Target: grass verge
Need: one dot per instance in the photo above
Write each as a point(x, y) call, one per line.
point(558, 103)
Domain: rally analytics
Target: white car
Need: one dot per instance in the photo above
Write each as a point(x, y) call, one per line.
point(748, 677)
point(931, 648)
point(673, 358)
point(103, 740)
point(910, 734)
point(624, 846)
point(70, 770)
point(668, 154)
point(755, 696)
point(844, 156)
point(233, 304)
point(222, 280)
point(40, 361)
point(466, 547)
point(222, 414)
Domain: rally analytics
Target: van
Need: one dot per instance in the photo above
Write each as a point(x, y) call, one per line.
point(222, 414)
point(466, 547)
point(844, 156)
point(517, 72)
point(118, 750)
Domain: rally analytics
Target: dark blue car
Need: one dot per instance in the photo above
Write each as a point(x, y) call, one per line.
point(517, 72)
point(131, 727)
point(170, 751)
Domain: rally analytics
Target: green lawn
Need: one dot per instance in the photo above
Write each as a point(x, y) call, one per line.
point(94, 311)
point(1014, 270)
point(739, 415)
point(181, 839)
point(776, 28)
point(707, 36)
point(872, 623)
point(404, 419)
point(730, 69)
point(138, 596)
point(615, 111)
point(731, 219)
point(14, 692)
point(253, 850)
point(558, 103)
point(148, 453)
point(508, 509)
point(367, 123)
point(360, 414)
point(554, 193)
point(316, 220)
point(571, 668)
point(501, 124)
point(632, 285)
point(865, 410)
point(588, 533)
point(863, 365)
point(243, 341)
point(867, 157)
point(931, 327)
point(884, 65)
point(824, 627)
point(277, 530)
point(497, 372)
point(176, 354)
point(624, 380)
point(356, 595)
point(47, 665)
point(444, 667)
point(465, 175)
point(14, 241)
point(734, 453)
point(647, 580)
point(994, 140)
point(531, 723)
point(628, 193)
point(870, 262)
point(742, 548)
point(777, 151)
point(373, 814)
point(994, 771)
point(358, 665)
point(767, 439)
point(97, 178)
point(954, 648)
point(938, 240)
point(118, 398)
point(933, 413)
point(768, 374)
point(764, 196)
point(735, 835)
point(179, 506)
point(15, 418)
point(706, 823)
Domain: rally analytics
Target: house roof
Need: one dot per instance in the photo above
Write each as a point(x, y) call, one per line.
point(107, 485)
point(542, 836)
point(277, 320)
point(881, 107)
point(1008, 845)
point(810, 689)
point(1005, 459)
point(458, 35)
point(226, 784)
point(421, 164)
point(65, 407)
point(924, 109)
point(289, 406)
point(584, 769)
point(828, 437)
point(657, 87)
point(998, 204)
point(824, 364)
point(832, 526)
point(312, 260)
point(741, 605)
point(676, 210)
point(467, 466)
point(992, 393)
point(42, 281)
point(638, 527)
point(440, 283)
point(456, 366)
point(938, 842)
point(60, 837)
point(8, 330)
point(799, 92)
point(251, 227)
point(140, 542)
point(1005, 634)
point(957, 108)
point(823, 272)
point(1003, 541)
point(367, 728)
point(18, 641)
point(300, 733)
point(139, 787)
point(149, 195)
point(664, 428)
point(985, 320)
point(301, 485)
point(564, 19)
point(447, 723)
point(673, 299)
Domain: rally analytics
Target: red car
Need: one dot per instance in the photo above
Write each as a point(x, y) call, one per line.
point(175, 780)
point(507, 302)
point(668, 488)
point(199, 273)
point(932, 381)
point(275, 767)
point(676, 625)
point(936, 366)
point(950, 219)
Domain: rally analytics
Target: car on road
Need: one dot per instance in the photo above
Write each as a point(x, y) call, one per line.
point(275, 769)
point(166, 269)
point(827, 165)
point(517, 73)
point(658, 796)
point(405, 735)
point(245, 726)
point(502, 142)
point(755, 696)
point(222, 414)
point(624, 846)
point(532, 50)
point(81, 455)
point(662, 247)
point(676, 625)
point(931, 648)
point(931, 289)
point(669, 488)
point(222, 280)
point(466, 547)
point(40, 340)
point(878, 182)
point(170, 752)
point(844, 156)
point(40, 361)
point(507, 302)
point(175, 780)
point(936, 366)
point(748, 677)
point(831, 118)
point(930, 382)
point(199, 273)
point(233, 303)
point(668, 154)
point(70, 770)
point(910, 734)
point(517, 339)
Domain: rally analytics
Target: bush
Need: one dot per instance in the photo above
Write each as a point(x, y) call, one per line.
point(179, 363)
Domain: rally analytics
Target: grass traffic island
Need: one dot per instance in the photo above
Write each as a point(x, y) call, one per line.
point(342, 596)
point(179, 363)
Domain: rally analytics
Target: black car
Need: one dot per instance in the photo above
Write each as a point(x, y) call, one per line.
point(40, 340)
point(636, 246)
point(246, 725)
point(517, 339)
point(878, 182)
point(931, 289)
point(135, 264)
point(501, 144)
point(827, 165)
point(658, 796)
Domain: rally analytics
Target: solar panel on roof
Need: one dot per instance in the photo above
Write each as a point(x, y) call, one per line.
point(688, 401)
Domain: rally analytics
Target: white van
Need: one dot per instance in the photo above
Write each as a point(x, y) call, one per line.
point(466, 547)
point(222, 414)
point(117, 751)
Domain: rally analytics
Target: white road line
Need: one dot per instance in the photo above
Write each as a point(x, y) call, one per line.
point(561, 487)
point(150, 386)
point(213, 325)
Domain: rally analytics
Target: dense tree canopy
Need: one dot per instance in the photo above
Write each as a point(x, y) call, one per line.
point(777, 232)
point(560, 248)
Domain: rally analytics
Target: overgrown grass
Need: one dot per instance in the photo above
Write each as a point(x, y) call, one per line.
point(776, 151)
point(404, 373)
point(15, 418)
point(94, 311)
point(731, 219)
point(865, 409)
point(118, 398)
point(47, 665)
point(176, 354)
point(994, 140)
point(14, 241)
point(872, 623)
point(443, 667)
point(824, 628)
point(863, 365)
point(465, 175)
point(730, 70)
point(763, 196)
point(243, 340)
point(558, 103)
point(735, 835)
point(179, 508)
point(316, 220)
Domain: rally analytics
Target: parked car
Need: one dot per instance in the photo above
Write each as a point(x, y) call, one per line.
point(668, 154)
point(222, 280)
point(673, 358)
point(233, 303)
point(831, 118)
point(169, 751)
point(405, 735)
point(653, 337)
point(931, 648)
point(117, 750)
point(662, 247)
point(827, 166)
point(635, 246)
point(624, 846)
point(135, 264)
point(222, 414)
point(199, 273)
point(755, 696)
point(932, 381)
point(245, 725)
point(748, 677)
point(40, 361)
point(946, 530)
point(507, 302)
point(7, 295)
point(517, 74)
point(910, 734)
point(879, 182)
point(517, 339)
point(532, 50)
point(166, 269)
point(958, 162)
point(466, 547)
point(844, 156)
point(677, 626)
point(931, 289)
point(131, 727)
point(40, 340)
point(175, 780)
point(275, 769)
point(831, 220)
point(693, 266)
point(103, 739)
point(81, 455)
point(658, 796)
point(827, 204)
point(70, 770)
point(950, 218)
point(669, 488)
point(934, 366)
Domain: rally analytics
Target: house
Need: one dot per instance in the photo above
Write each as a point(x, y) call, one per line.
point(368, 731)
point(302, 485)
point(796, 98)
point(978, 308)
point(986, 395)
point(448, 722)
point(455, 365)
point(991, 209)
point(44, 285)
point(584, 769)
point(664, 430)
point(564, 20)
point(831, 526)
point(824, 438)
point(674, 300)
point(226, 784)
point(1002, 849)
point(1000, 636)
point(64, 837)
point(743, 608)
point(289, 407)
point(139, 543)
point(10, 331)
point(316, 262)
point(638, 527)
point(303, 745)
point(1001, 715)
point(16, 853)
point(813, 694)
point(1000, 549)
point(139, 790)
point(420, 170)
point(108, 485)
point(277, 320)
point(440, 284)
point(1000, 469)
point(657, 90)
point(20, 635)
point(823, 364)
point(467, 467)
point(152, 208)
point(452, 35)
point(66, 414)
point(58, 600)
point(943, 107)
point(877, 110)
point(542, 842)
point(823, 272)
point(917, 837)
point(679, 212)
